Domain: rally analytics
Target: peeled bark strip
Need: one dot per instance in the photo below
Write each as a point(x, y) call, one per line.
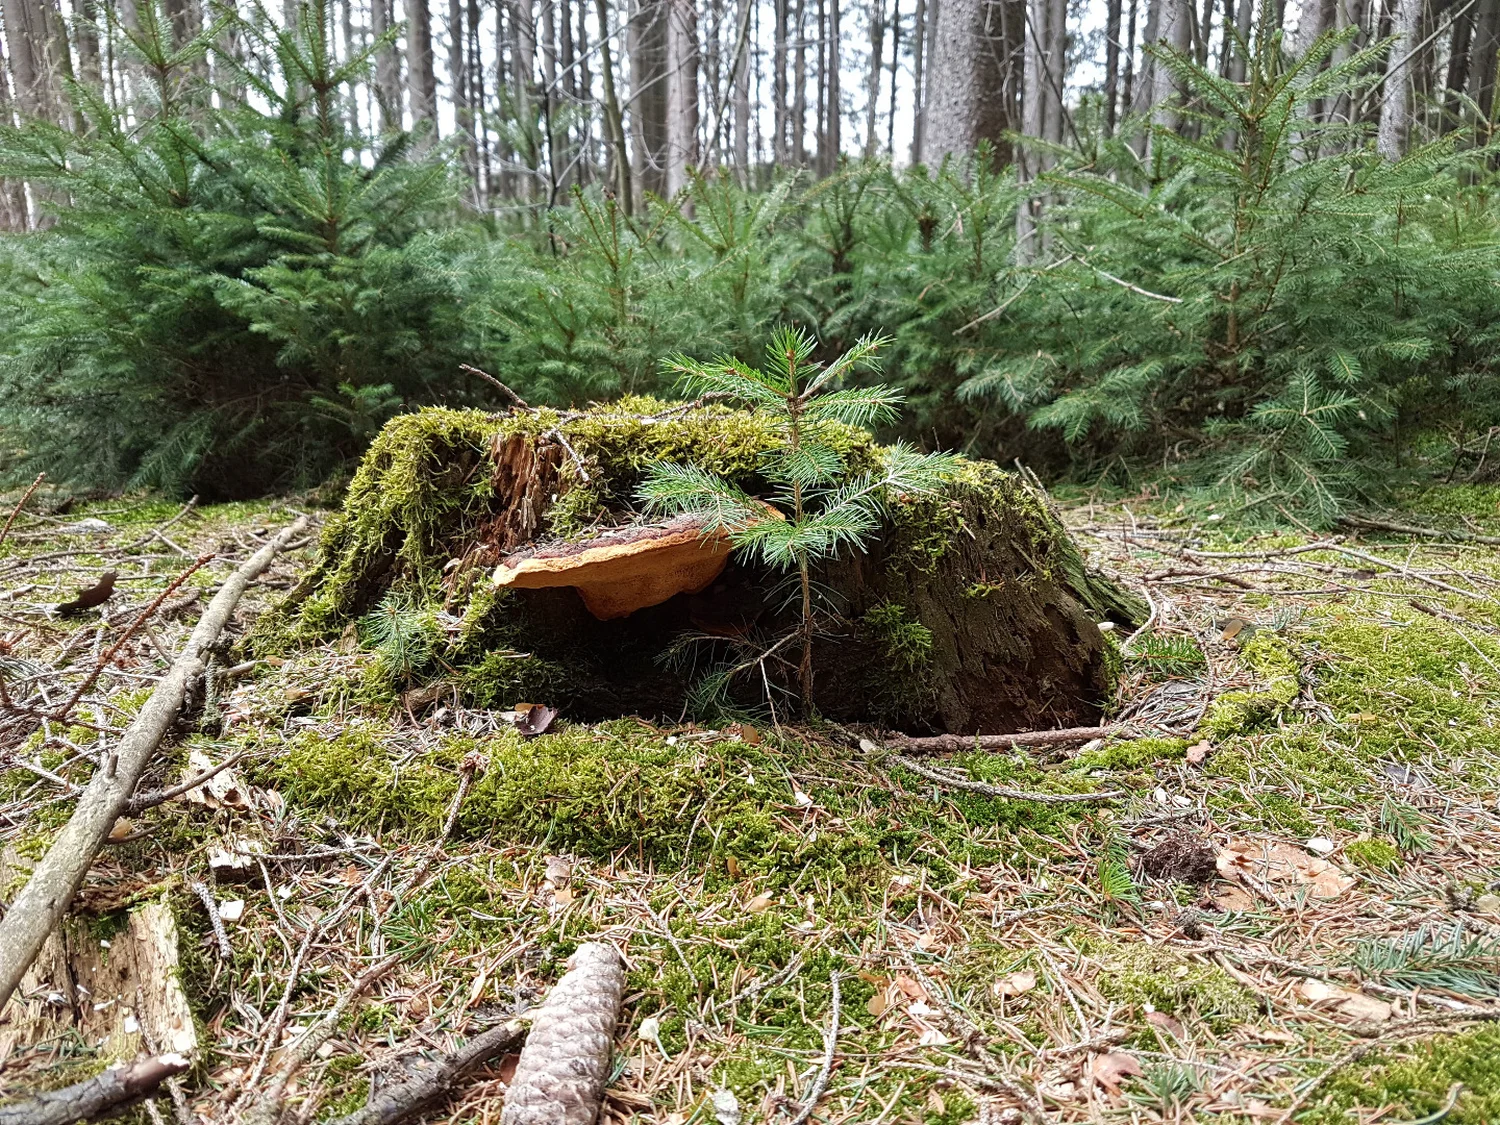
point(565, 1064)
point(39, 907)
point(94, 1097)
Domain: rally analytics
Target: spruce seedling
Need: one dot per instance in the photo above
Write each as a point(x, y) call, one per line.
point(827, 508)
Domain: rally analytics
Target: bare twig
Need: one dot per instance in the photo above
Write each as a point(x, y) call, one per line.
point(496, 383)
point(143, 801)
point(94, 1097)
point(960, 742)
point(21, 503)
point(205, 896)
point(952, 781)
point(830, 1044)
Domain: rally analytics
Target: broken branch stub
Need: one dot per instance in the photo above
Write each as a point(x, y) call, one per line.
point(564, 1066)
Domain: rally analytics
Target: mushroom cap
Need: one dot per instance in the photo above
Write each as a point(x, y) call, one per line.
point(619, 573)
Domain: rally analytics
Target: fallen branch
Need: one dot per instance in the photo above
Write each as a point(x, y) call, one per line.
point(497, 384)
point(959, 742)
point(94, 1097)
point(984, 788)
point(435, 1080)
point(41, 904)
point(21, 503)
point(564, 1066)
point(1453, 534)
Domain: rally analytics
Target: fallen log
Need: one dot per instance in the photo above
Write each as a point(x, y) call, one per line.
point(44, 900)
point(104, 1093)
point(564, 1066)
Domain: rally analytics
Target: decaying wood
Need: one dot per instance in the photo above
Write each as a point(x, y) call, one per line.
point(435, 1080)
point(39, 907)
point(564, 1066)
point(114, 1088)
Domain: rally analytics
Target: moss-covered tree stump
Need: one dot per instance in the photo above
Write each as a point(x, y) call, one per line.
point(971, 612)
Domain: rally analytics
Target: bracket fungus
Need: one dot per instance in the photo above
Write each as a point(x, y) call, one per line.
point(621, 571)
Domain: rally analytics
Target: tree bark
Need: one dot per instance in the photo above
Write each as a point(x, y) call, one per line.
point(798, 140)
point(833, 134)
point(1486, 55)
point(23, 38)
point(432, 1082)
point(1395, 106)
point(919, 78)
point(682, 93)
point(741, 64)
point(966, 99)
point(113, 1089)
point(459, 94)
point(780, 107)
point(36, 911)
point(647, 37)
point(421, 79)
point(387, 68)
point(13, 214)
point(1112, 17)
point(619, 160)
point(890, 121)
point(872, 86)
point(1457, 77)
point(1175, 31)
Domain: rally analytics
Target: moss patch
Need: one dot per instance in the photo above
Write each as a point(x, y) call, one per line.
point(1414, 1079)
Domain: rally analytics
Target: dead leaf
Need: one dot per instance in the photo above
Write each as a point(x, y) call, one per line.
point(1282, 863)
point(1231, 899)
point(1233, 627)
point(1355, 1005)
point(732, 865)
point(534, 719)
point(879, 1003)
point(1197, 752)
point(1015, 984)
point(559, 871)
point(1113, 1068)
point(926, 941)
point(935, 1103)
point(1169, 1024)
point(911, 988)
point(760, 903)
point(122, 829)
point(562, 896)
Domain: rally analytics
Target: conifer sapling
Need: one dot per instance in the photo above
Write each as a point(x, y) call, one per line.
point(827, 508)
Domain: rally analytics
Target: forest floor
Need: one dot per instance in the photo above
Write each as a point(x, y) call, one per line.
point(1289, 907)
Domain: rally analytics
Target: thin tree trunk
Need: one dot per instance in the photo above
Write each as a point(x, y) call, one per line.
point(459, 94)
point(1457, 77)
point(872, 100)
point(86, 41)
point(1486, 55)
point(741, 65)
point(820, 113)
point(799, 90)
point(485, 188)
point(547, 42)
point(919, 75)
point(1112, 65)
point(1395, 106)
point(13, 216)
point(1127, 86)
point(1174, 31)
point(584, 86)
point(780, 110)
point(682, 93)
point(833, 135)
point(421, 80)
point(619, 160)
point(648, 96)
point(890, 120)
point(387, 68)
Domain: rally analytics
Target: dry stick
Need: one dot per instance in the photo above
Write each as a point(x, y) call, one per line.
point(830, 1043)
point(145, 615)
point(205, 896)
point(562, 1072)
point(959, 742)
point(94, 1097)
point(39, 907)
point(21, 503)
point(435, 1080)
point(492, 381)
point(267, 1108)
point(988, 790)
point(1455, 535)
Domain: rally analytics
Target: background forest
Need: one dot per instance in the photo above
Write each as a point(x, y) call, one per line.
point(1249, 249)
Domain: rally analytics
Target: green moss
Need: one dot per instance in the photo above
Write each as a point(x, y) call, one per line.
point(1412, 1081)
point(1238, 712)
point(1373, 855)
point(1132, 754)
point(1139, 974)
point(905, 643)
point(1482, 500)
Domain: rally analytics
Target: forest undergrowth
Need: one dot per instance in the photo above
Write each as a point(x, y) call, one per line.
point(1287, 909)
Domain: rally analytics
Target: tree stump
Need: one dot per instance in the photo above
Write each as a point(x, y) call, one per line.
point(971, 612)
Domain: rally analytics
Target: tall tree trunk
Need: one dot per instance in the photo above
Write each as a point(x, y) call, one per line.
point(741, 64)
point(1459, 54)
point(780, 109)
point(387, 68)
point(820, 113)
point(890, 120)
point(648, 95)
point(485, 189)
point(584, 88)
point(1127, 85)
point(522, 18)
point(1486, 57)
point(619, 158)
point(1395, 106)
point(798, 140)
point(421, 79)
point(919, 79)
point(682, 93)
point(459, 94)
point(872, 101)
point(548, 102)
point(86, 41)
point(966, 99)
point(22, 36)
point(1112, 65)
point(833, 136)
point(13, 216)
point(1145, 76)
point(1175, 31)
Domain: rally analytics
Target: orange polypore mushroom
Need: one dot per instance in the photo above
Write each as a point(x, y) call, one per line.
point(620, 572)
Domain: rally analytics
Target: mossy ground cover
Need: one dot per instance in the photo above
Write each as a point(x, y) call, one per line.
point(1350, 722)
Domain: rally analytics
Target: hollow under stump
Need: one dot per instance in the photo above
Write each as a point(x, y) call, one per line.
point(511, 544)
